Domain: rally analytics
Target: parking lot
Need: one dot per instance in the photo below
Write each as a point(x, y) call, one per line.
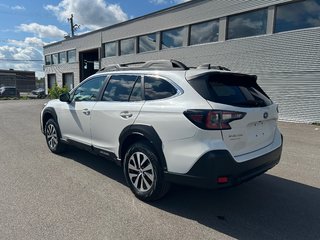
point(81, 196)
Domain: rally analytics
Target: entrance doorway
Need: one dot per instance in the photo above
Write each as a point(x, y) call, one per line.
point(89, 63)
point(67, 80)
point(51, 80)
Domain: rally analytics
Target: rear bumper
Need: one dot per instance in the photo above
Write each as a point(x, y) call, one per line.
point(220, 163)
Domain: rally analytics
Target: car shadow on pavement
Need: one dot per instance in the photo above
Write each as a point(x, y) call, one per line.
point(97, 163)
point(267, 207)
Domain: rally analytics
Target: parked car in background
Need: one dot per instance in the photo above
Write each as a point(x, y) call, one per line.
point(39, 93)
point(9, 91)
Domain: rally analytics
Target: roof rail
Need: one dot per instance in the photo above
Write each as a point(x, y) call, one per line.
point(157, 64)
point(115, 67)
point(208, 66)
point(165, 64)
point(152, 64)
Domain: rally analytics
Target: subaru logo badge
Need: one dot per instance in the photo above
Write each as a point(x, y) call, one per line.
point(265, 115)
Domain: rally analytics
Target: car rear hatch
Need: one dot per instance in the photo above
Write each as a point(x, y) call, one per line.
point(247, 117)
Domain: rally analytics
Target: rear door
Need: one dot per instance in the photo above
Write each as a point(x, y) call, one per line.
point(240, 93)
point(119, 107)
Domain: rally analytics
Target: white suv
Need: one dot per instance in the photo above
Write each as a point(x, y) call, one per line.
point(164, 122)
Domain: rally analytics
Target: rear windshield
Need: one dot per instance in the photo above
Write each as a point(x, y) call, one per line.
point(233, 89)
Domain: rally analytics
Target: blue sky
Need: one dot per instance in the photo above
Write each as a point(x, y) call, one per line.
point(25, 26)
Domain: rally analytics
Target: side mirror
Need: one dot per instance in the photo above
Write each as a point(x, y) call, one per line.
point(65, 97)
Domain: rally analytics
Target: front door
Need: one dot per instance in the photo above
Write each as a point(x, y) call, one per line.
point(75, 117)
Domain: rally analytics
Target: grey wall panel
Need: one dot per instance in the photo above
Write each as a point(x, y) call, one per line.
point(284, 52)
point(63, 68)
point(298, 94)
point(80, 43)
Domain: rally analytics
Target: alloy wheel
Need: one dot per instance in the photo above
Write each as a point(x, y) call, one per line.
point(141, 172)
point(52, 136)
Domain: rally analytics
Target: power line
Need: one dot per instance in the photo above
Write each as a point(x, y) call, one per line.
point(20, 60)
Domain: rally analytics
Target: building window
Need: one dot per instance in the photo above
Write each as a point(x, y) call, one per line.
point(172, 38)
point(297, 15)
point(48, 59)
point(62, 57)
point(71, 56)
point(55, 58)
point(127, 46)
point(204, 32)
point(110, 49)
point(247, 24)
point(147, 43)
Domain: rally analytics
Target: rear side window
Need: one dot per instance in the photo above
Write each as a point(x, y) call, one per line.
point(157, 88)
point(119, 88)
point(232, 89)
point(136, 94)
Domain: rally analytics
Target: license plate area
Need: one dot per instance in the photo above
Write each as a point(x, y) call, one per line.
point(261, 132)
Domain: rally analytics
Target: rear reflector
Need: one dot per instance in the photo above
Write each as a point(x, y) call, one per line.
point(222, 180)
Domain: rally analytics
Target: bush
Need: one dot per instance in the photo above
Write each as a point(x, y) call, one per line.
point(24, 98)
point(56, 91)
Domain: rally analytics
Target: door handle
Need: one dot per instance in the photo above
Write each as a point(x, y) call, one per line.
point(126, 114)
point(86, 111)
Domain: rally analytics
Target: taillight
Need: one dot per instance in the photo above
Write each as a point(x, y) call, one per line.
point(213, 120)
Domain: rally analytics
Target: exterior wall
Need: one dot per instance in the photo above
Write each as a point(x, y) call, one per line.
point(80, 44)
point(287, 63)
point(25, 81)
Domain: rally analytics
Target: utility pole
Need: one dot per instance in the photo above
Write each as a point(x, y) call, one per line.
point(73, 27)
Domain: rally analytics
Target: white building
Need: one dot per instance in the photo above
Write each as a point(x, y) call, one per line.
point(278, 40)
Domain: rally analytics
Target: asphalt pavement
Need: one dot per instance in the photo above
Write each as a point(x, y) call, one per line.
point(81, 196)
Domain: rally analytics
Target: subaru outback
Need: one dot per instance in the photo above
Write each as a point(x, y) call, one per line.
point(164, 122)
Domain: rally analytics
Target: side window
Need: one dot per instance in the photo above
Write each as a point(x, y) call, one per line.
point(136, 94)
point(119, 88)
point(157, 88)
point(89, 90)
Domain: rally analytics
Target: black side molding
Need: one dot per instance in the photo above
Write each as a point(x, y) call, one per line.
point(49, 111)
point(146, 132)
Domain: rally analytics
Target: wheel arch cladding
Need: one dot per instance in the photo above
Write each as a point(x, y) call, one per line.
point(47, 114)
point(135, 133)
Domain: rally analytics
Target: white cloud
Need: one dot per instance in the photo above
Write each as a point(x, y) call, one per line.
point(18, 7)
point(42, 31)
point(29, 41)
point(159, 2)
point(19, 55)
point(92, 14)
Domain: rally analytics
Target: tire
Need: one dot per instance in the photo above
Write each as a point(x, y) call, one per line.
point(53, 137)
point(143, 173)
